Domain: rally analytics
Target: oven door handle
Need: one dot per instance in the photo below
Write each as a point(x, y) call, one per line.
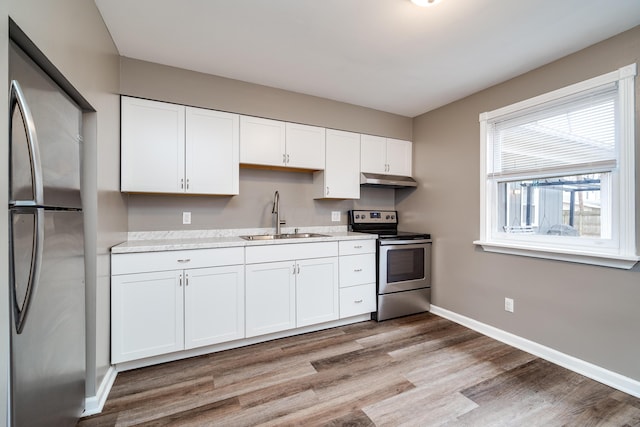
point(404, 242)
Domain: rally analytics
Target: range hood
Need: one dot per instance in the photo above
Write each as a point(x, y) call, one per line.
point(388, 181)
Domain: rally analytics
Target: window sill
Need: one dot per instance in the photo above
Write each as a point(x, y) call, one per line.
point(600, 259)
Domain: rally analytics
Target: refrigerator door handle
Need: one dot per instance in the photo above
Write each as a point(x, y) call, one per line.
point(17, 98)
point(34, 274)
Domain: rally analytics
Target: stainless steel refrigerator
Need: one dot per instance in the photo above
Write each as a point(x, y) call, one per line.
point(46, 250)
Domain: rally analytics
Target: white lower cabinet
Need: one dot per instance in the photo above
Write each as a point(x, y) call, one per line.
point(146, 315)
point(159, 312)
point(357, 277)
point(317, 298)
point(290, 286)
point(213, 305)
point(171, 301)
point(271, 298)
point(358, 299)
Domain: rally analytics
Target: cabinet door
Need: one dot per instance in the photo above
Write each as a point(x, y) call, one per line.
point(213, 305)
point(373, 154)
point(317, 292)
point(212, 151)
point(152, 146)
point(146, 315)
point(262, 141)
point(398, 157)
point(342, 165)
point(270, 298)
point(305, 146)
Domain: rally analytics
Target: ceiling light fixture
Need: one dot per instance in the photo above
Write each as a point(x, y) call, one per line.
point(425, 3)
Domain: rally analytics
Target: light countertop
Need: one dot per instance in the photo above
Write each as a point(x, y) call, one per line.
point(156, 241)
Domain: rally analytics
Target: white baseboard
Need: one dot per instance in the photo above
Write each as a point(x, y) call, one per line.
point(597, 373)
point(94, 404)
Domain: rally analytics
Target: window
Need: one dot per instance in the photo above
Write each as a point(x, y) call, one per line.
point(558, 174)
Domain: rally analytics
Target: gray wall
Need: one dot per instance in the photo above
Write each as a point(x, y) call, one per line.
point(586, 311)
point(73, 36)
point(252, 208)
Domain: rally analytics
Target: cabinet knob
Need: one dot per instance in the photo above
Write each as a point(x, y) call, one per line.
point(182, 183)
point(180, 281)
point(186, 280)
point(327, 190)
point(187, 183)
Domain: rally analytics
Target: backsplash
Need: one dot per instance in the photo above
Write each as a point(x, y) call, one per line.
point(252, 207)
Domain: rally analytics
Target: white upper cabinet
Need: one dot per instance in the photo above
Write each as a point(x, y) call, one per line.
point(341, 176)
point(385, 156)
point(399, 157)
point(305, 146)
point(152, 146)
point(212, 152)
point(274, 143)
point(169, 148)
point(262, 141)
point(373, 154)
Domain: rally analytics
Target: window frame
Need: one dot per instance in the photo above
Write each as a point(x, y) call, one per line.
point(618, 252)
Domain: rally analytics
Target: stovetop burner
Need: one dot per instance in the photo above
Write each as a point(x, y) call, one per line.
point(406, 235)
point(382, 223)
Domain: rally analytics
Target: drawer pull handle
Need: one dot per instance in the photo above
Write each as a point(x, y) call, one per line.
point(182, 261)
point(358, 301)
point(357, 270)
point(357, 247)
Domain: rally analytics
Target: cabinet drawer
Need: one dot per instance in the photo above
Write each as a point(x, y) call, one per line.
point(354, 247)
point(357, 269)
point(272, 253)
point(174, 260)
point(357, 300)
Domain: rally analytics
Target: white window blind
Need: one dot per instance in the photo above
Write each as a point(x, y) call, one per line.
point(573, 135)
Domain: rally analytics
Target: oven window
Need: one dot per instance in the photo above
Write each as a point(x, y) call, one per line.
point(405, 264)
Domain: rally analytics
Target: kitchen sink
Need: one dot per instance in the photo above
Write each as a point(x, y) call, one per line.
point(282, 236)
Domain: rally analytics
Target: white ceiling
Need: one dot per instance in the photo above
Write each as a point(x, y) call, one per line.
point(389, 55)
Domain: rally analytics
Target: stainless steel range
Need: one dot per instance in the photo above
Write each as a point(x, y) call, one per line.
point(403, 264)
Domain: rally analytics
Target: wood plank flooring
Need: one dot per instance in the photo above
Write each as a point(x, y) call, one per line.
point(419, 370)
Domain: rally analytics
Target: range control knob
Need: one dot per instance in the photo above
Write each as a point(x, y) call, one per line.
point(357, 216)
point(388, 217)
point(393, 217)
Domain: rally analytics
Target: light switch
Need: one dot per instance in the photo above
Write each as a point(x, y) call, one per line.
point(186, 217)
point(335, 216)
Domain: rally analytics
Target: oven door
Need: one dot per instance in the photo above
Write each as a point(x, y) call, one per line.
point(403, 265)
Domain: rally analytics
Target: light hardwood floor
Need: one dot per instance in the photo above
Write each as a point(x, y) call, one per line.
point(420, 370)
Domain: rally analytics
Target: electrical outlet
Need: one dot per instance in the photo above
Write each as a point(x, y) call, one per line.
point(186, 217)
point(508, 304)
point(335, 216)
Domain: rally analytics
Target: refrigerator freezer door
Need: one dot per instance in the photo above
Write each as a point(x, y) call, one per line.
point(48, 356)
point(57, 123)
point(27, 238)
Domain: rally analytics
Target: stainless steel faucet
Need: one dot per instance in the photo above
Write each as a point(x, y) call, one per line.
point(276, 210)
